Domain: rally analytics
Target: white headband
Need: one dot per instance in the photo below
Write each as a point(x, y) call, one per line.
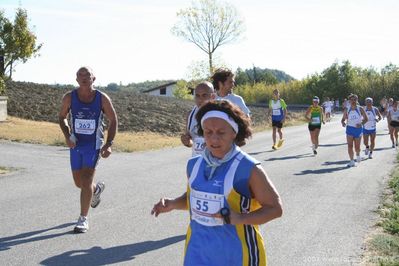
point(221, 115)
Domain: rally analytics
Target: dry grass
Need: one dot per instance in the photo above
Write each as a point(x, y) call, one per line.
point(27, 131)
point(3, 170)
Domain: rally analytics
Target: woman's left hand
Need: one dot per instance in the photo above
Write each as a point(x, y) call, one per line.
point(235, 217)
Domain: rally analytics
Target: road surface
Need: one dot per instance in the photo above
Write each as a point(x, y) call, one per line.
point(328, 208)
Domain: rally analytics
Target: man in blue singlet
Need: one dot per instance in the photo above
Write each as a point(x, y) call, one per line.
point(84, 136)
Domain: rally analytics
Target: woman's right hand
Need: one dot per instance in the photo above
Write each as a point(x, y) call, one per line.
point(163, 205)
point(186, 140)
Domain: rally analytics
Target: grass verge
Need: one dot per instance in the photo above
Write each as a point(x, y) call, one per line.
point(27, 131)
point(383, 245)
point(4, 170)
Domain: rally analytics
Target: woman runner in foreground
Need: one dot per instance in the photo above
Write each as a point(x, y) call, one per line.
point(228, 194)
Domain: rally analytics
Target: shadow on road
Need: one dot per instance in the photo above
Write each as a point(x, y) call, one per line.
point(337, 162)
point(322, 171)
point(332, 145)
point(99, 256)
point(7, 242)
point(386, 148)
point(257, 153)
point(299, 156)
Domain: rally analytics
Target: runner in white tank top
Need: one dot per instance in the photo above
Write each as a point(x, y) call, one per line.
point(369, 130)
point(355, 118)
point(393, 120)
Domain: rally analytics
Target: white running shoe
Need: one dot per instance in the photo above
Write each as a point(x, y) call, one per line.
point(358, 159)
point(82, 225)
point(366, 151)
point(100, 186)
point(371, 155)
point(352, 163)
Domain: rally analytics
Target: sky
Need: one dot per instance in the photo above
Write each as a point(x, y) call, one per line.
point(127, 41)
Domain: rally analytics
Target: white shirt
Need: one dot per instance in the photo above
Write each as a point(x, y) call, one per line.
point(371, 115)
point(237, 100)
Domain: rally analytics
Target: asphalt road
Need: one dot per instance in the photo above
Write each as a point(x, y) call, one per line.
point(328, 208)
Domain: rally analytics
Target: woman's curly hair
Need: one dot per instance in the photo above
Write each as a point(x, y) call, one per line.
point(233, 111)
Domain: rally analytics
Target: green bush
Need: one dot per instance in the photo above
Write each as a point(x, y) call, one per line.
point(336, 81)
point(2, 86)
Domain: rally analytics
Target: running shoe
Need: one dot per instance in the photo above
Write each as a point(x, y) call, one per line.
point(314, 152)
point(280, 143)
point(274, 147)
point(393, 145)
point(352, 163)
point(371, 155)
point(366, 151)
point(100, 186)
point(358, 159)
point(82, 225)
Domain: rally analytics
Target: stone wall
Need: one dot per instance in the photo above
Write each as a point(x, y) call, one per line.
point(3, 108)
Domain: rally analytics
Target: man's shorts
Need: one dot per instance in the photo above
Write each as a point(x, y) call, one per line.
point(278, 124)
point(355, 132)
point(313, 127)
point(369, 131)
point(394, 124)
point(83, 158)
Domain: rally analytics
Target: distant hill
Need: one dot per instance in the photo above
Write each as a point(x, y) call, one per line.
point(137, 112)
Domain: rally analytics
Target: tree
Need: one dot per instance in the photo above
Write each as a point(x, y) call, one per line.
point(182, 91)
point(112, 86)
point(2, 86)
point(209, 24)
point(17, 41)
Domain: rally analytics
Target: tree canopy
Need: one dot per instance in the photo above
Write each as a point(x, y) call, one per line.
point(17, 41)
point(209, 24)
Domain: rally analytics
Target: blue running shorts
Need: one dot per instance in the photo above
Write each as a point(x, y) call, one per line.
point(83, 158)
point(369, 131)
point(355, 132)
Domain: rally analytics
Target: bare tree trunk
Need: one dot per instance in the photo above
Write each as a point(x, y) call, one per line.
point(210, 63)
point(11, 71)
point(2, 66)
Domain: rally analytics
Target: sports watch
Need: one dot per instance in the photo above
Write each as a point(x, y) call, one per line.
point(225, 212)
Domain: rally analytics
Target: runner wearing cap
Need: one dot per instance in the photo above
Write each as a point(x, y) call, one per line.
point(355, 118)
point(369, 130)
point(315, 116)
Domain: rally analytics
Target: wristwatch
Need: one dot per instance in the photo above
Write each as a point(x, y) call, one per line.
point(225, 212)
point(110, 142)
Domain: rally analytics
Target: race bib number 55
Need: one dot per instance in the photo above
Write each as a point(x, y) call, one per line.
point(85, 126)
point(204, 205)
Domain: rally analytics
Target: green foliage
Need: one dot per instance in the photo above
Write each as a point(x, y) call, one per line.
point(209, 24)
point(112, 86)
point(259, 75)
point(2, 86)
point(336, 81)
point(17, 41)
point(182, 91)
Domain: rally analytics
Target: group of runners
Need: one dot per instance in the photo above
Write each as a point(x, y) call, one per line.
point(228, 192)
